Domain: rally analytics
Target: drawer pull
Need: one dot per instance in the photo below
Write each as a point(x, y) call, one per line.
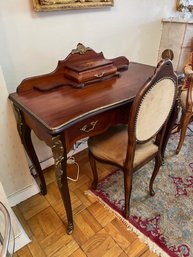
point(89, 127)
point(99, 75)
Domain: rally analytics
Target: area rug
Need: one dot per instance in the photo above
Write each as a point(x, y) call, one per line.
point(165, 221)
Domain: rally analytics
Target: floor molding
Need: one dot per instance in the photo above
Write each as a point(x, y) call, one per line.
point(24, 194)
point(21, 239)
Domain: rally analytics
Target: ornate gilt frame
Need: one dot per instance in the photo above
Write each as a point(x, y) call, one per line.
point(180, 5)
point(52, 5)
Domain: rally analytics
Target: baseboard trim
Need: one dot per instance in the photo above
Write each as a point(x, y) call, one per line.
point(21, 241)
point(22, 238)
point(24, 194)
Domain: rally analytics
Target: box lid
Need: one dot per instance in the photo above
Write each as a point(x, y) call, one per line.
point(87, 65)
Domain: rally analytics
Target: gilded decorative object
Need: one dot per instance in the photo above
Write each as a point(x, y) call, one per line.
point(89, 127)
point(70, 228)
point(80, 49)
point(58, 151)
point(168, 53)
point(181, 5)
point(51, 5)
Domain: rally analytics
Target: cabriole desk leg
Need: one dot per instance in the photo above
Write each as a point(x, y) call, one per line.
point(25, 134)
point(59, 153)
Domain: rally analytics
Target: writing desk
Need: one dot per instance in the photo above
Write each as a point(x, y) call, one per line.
point(63, 114)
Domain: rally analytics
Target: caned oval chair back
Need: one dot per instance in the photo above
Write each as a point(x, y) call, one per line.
point(154, 109)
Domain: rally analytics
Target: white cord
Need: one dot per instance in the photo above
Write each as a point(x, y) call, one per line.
point(71, 161)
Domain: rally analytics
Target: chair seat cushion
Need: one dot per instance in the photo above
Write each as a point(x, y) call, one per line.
point(183, 97)
point(112, 146)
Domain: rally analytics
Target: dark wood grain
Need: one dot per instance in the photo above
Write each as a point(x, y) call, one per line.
point(60, 114)
point(62, 107)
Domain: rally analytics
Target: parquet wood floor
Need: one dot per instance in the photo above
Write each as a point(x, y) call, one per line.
point(97, 232)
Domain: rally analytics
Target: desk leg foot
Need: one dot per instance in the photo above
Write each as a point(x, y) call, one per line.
point(70, 228)
point(43, 190)
point(60, 158)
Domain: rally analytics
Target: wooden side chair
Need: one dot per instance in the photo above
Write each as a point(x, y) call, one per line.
point(131, 146)
point(186, 101)
point(187, 113)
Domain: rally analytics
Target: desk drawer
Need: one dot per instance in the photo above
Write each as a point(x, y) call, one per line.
point(88, 127)
point(96, 124)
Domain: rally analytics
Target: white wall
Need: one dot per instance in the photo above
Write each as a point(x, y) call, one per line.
point(32, 43)
point(14, 172)
point(12, 157)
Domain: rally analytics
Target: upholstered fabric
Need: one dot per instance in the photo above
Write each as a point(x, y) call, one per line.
point(188, 69)
point(189, 64)
point(103, 146)
point(154, 109)
point(183, 97)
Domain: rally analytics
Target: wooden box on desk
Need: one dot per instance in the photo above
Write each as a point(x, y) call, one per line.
point(88, 70)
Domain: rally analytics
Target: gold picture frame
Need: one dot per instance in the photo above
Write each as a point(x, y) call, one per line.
point(53, 5)
point(181, 4)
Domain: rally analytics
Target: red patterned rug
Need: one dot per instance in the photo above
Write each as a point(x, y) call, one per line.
point(165, 221)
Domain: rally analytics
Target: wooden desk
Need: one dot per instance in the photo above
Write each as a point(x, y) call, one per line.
point(65, 114)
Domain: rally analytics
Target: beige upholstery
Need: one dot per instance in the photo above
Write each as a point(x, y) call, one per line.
point(183, 97)
point(188, 65)
point(112, 145)
point(188, 69)
point(154, 109)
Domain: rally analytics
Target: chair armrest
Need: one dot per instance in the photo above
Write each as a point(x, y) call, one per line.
point(188, 70)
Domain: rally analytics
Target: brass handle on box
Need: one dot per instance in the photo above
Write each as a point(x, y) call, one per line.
point(99, 75)
point(87, 128)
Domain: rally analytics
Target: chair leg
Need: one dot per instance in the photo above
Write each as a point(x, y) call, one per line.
point(94, 170)
point(158, 162)
point(128, 188)
point(184, 124)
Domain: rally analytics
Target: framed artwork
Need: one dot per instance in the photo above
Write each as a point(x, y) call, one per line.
point(181, 5)
point(52, 5)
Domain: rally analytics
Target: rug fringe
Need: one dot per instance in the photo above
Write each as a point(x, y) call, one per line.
point(152, 246)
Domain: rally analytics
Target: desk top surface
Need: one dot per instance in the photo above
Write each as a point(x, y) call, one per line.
point(57, 109)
